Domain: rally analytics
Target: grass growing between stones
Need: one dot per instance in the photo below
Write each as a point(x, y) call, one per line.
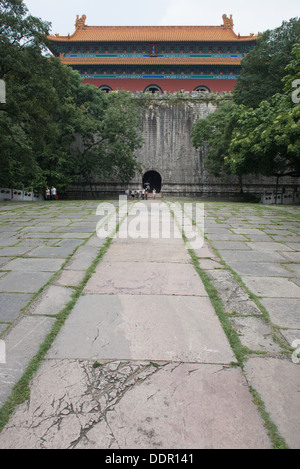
point(241, 352)
point(21, 391)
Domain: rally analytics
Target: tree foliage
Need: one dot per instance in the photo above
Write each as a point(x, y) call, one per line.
point(266, 140)
point(262, 137)
point(264, 66)
point(52, 127)
point(214, 134)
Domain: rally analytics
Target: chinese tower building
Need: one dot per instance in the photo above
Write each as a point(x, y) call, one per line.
point(155, 58)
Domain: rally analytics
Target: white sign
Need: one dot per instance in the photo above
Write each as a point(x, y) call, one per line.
point(2, 92)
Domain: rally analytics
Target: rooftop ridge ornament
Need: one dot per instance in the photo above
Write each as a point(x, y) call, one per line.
point(228, 22)
point(80, 22)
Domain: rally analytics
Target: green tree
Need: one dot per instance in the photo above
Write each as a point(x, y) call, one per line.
point(106, 129)
point(22, 119)
point(292, 78)
point(264, 66)
point(213, 133)
point(52, 127)
point(266, 140)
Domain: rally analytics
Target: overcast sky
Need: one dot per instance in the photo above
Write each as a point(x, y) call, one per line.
point(251, 16)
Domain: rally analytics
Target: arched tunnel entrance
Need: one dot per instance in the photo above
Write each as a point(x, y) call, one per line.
point(153, 178)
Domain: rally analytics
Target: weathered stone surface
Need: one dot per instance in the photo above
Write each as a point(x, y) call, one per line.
point(14, 251)
point(259, 269)
point(233, 295)
point(51, 301)
point(71, 278)
point(147, 253)
point(22, 343)
point(272, 287)
point(250, 256)
point(11, 305)
point(83, 258)
point(278, 383)
point(204, 403)
point(24, 282)
point(148, 278)
point(135, 405)
point(255, 334)
point(4, 261)
point(283, 312)
point(59, 252)
point(137, 327)
point(35, 265)
point(268, 246)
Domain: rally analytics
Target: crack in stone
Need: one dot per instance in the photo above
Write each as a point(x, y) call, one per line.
point(106, 387)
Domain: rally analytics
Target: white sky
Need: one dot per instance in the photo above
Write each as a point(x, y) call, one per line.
point(250, 16)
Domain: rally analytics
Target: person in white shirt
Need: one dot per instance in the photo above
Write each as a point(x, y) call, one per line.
point(53, 192)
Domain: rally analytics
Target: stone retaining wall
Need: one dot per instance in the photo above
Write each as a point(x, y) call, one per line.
point(168, 150)
point(19, 195)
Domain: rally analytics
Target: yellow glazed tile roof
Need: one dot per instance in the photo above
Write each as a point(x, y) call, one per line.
point(150, 61)
point(84, 33)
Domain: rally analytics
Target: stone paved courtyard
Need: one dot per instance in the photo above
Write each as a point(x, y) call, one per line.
point(210, 332)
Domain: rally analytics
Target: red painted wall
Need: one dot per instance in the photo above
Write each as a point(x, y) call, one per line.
point(165, 84)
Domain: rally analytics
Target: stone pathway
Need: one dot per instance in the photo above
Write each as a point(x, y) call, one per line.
point(142, 360)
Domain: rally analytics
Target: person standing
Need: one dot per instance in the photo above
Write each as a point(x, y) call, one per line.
point(53, 193)
point(47, 193)
point(154, 194)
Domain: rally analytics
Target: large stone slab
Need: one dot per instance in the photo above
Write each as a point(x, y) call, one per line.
point(231, 245)
point(250, 256)
point(8, 240)
point(53, 252)
point(136, 405)
point(284, 312)
point(11, 305)
point(259, 269)
point(292, 256)
point(4, 261)
point(135, 252)
point(22, 343)
point(278, 383)
point(233, 295)
point(83, 258)
point(141, 328)
point(14, 251)
point(272, 287)
point(268, 246)
point(71, 278)
point(35, 265)
point(51, 301)
point(138, 278)
point(255, 334)
point(24, 282)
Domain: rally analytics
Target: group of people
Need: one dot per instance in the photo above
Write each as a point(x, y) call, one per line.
point(143, 193)
point(51, 194)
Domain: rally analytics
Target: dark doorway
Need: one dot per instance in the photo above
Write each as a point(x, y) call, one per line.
point(153, 89)
point(153, 178)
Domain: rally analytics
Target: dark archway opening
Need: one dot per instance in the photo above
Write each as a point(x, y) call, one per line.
point(202, 89)
point(153, 180)
point(153, 89)
point(105, 88)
